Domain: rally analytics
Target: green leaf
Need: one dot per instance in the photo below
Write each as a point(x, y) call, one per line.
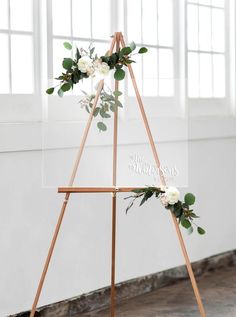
point(117, 93)
point(201, 230)
point(132, 46)
point(189, 199)
point(50, 91)
point(67, 45)
point(101, 126)
point(185, 223)
point(193, 215)
point(146, 197)
point(65, 87)
point(142, 50)
point(60, 92)
point(96, 111)
point(67, 63)
point(119, 74)
point(125, 51)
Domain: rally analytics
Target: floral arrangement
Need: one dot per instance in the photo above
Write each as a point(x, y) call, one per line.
point(85, 64)
point(169, 197)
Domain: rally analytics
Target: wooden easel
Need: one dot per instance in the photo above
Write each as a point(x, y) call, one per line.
point(117, 41)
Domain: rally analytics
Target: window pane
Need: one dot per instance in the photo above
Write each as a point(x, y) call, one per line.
point(193, 75)
point(218, 30)
point(166, 72)
point(219, 75)
point(61, 19)
point(193, 27)
point(134, 20)
point(150, 29)
point(22, 64)
point(81, 22)
point(21, 15)
point(204, 28)
point(4, 64)
point(206, 2)
point(4, 14)
point(165, 22)
point(205, 75)
point(218, 3)
point(150, 73)
point(101, 19)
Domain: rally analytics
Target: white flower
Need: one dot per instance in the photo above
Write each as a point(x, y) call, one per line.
point(85, 63)
point(90, 70)
point(102, 69)
point(172, 195)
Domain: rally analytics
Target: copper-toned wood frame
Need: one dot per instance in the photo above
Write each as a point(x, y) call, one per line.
point(117, 41)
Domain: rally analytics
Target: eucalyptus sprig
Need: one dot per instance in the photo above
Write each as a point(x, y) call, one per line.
point(182, 210)
point(108, 103)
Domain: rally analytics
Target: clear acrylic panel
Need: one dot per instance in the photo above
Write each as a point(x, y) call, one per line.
point(150, 80)
point(205, 75)
point(4, 14)
point(19, 21)
point(149, 13)
point(192, 27)
point(22, 55)
point(81, 22)
point(101, 21)
point(218, 76)
point(193, 75)
point(61, 17)
point(205, 28)
point(218, 30)
point(166, 72)
point(165, 22)
point(4, 64)
point(134, 19)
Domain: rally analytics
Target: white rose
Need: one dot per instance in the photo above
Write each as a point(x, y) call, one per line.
point(85, 63)
point(172, 195)
point(90, 70)
point(102, 70)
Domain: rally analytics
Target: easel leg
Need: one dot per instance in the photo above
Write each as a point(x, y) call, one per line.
point(114, 172)
point(157, 160)
point(113, 259)
point(54, 239)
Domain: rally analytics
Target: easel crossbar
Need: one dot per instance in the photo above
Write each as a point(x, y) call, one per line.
point(112, 189)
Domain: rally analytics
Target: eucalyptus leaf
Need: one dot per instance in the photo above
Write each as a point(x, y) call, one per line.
point(201, 230)
point(65, 87)
point(132, 46)
point(117, 93)
point(50, 91)
point(67, 45)
point(142, 50)
point(101, 126)
point(67, 63)
point(119, 74)
point(60, 92)
point(189, 199)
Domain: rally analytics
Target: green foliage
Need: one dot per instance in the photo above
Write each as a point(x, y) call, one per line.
point(67, 45)
point(189, 199)
point(67, 63)
point(50, 91)
point(143, 50)
point(65, 87)
point(180, 210)
point(119, 74)
point(101, 126)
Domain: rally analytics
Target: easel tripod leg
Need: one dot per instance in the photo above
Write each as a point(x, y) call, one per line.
point(50, 252)
point(113, 255)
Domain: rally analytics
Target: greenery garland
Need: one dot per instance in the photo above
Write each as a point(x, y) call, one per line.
point(169, 197)
point(85, 64)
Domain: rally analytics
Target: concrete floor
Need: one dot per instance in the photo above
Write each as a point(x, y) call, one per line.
point(218, 290)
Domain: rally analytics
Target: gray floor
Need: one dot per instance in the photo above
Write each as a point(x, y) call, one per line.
point(218, 290)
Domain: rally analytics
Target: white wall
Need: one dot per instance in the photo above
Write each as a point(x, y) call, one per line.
point(146, 239)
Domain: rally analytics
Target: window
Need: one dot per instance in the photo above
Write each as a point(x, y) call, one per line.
point(150, 23)
point(206, 48)
point(16, 54)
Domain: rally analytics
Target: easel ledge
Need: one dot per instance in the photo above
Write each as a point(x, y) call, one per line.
point(70, 189)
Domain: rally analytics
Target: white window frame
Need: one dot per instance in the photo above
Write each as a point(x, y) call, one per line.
point(29, 104)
